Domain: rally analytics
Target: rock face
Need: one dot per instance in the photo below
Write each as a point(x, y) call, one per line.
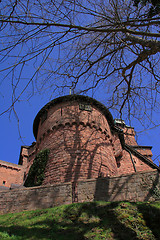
point(84, 143)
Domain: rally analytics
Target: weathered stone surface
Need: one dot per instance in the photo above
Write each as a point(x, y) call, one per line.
point(105, 189)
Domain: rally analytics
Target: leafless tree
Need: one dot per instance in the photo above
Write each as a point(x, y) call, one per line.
point(85, 45)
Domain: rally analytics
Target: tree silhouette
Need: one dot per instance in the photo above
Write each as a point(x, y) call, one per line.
point(153, 6)
point(82, 45)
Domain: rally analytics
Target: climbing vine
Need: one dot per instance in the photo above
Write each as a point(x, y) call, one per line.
point(36, 173)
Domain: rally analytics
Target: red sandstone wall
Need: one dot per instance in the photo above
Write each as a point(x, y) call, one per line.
point(16, 200)
point(145, 151)
point(10, 173)
point(69, 112)
point(80, 144)
point(129, 136)
point(126, 165)
point(131, 187)
point(15, 173)
point(123, 158)
point(30, 158)
point(80, 153)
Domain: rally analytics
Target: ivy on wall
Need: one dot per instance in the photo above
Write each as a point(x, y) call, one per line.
point(36, 173)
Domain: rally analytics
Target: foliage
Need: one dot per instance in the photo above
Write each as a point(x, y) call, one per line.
point(36, 173)
point(96, 220)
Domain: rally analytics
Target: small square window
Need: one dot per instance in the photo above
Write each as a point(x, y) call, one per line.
point(84, 106)
point(4, 182)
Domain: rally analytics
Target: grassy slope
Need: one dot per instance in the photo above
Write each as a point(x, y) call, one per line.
point(96, 220)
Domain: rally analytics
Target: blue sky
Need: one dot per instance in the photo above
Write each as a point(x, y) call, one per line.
point(27, 110)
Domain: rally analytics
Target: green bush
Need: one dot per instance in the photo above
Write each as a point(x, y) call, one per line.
point(36, 173)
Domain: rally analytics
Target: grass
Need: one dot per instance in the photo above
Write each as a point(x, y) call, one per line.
point(95, 220)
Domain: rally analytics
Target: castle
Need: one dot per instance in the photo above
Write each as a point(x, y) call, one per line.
point(83, 143)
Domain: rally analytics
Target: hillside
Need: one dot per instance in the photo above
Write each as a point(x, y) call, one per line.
point(95, 220)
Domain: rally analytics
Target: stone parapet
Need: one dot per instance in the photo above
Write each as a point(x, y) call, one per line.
point(132, 187)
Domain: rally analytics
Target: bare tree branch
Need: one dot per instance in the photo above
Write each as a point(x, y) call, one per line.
point(108, 44)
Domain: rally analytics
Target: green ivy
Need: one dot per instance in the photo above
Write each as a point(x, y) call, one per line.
point(36, 173)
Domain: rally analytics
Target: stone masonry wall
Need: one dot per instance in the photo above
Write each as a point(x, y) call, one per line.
point(80, 144)
point(16, 200)
point(133, 187)
point(10, 173)
point(83, 142)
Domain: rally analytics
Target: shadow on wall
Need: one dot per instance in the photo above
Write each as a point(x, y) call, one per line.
point(107, 189)
point(85, 157)
point(133, 187)
point(152, 185)
point(79, 148)
point(33, 198)
point(113, 189)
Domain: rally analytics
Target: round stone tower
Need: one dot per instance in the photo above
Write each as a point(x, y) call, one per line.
point(77, 131)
